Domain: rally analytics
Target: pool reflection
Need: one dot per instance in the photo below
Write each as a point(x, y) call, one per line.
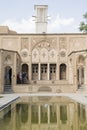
point(45, 113)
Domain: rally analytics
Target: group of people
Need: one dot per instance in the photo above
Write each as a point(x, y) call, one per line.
point(22, 78)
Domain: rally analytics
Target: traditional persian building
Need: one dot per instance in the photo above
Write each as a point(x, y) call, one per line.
point(42, 62)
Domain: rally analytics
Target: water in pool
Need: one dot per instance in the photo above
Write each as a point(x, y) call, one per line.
point(44, 113)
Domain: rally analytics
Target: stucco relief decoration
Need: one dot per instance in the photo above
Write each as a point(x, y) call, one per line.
point(42, 42)
point(43, 54)
point(8, 60)
point(24, 53)
point(63, 53)
point(52, 55)
point(35, 55)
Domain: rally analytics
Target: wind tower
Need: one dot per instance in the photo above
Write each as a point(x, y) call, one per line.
point(41, 18)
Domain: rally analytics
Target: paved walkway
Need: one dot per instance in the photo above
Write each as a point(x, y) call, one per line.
point(8, 98)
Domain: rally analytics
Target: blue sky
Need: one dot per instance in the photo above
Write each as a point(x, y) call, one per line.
point(65, 14)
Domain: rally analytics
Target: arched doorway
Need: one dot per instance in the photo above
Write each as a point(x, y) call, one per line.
point(24, 73)
point(8, 78)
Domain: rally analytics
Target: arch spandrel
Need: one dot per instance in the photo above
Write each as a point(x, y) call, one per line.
point(47, 42)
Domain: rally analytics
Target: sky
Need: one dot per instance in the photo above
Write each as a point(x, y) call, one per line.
point(65, 15)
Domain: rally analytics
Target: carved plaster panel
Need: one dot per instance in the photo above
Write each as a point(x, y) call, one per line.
point(53, 55)
point(44, 55)
point(24, 53)
point(40, 42)
point(35, 55)
point(62, 52)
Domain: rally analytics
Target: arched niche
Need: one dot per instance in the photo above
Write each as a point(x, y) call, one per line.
point(62, 69)
point(53, 55)
point(25, 73)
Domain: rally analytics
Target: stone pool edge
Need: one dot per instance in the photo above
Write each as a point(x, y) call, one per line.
point(9, 98)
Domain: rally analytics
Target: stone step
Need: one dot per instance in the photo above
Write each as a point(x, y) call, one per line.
point(8, 89)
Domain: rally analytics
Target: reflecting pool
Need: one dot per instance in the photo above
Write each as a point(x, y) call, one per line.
point(44, 113)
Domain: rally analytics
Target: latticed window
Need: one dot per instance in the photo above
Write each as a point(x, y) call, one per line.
point(34, 71)
point(43, 71)
point(52, 71)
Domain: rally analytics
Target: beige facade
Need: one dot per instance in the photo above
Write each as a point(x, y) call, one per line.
point(43, 62)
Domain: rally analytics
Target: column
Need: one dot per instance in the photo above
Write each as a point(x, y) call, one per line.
point(48, 71)
point(57, 72)
point(39, 72)
point(80, 75)
point(30, 71)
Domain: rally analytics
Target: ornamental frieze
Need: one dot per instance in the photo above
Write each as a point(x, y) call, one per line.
point(44, 42)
